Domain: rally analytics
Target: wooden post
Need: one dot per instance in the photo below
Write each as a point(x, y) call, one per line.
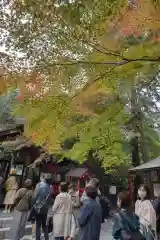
point(130, 187)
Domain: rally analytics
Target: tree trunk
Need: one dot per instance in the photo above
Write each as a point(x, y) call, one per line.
point(143, 144)
point(135, 139)
point(135, 152)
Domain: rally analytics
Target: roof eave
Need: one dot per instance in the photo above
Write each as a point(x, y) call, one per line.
point(143, 169)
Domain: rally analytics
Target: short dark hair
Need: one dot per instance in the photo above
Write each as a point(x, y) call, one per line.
point(94, 182)
point(91, 191)
point(63, 187)
point(28, 183)
point(48, 177)
point(148, 192)
point(125, 200)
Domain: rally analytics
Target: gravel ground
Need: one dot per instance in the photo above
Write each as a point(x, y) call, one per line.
point(106, 230)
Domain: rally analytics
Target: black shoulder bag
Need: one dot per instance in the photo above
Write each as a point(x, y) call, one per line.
point(130, 232)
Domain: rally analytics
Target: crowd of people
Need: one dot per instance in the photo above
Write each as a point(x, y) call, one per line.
point(73, 217)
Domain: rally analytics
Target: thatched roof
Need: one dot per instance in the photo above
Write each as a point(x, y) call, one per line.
point(17, 144)
point(13, 127)
point(7, 147)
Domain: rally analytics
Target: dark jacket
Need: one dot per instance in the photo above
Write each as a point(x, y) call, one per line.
point(90, 219)
point(42, 199)
point(156, 206)
point(131, 219)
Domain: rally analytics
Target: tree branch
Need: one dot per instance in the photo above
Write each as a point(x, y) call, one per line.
point(96, 46)
point(115, 63)
point(85, 88)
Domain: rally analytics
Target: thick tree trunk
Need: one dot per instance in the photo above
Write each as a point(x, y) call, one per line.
point(135, 151)
point(135, 140)
point(143, 144)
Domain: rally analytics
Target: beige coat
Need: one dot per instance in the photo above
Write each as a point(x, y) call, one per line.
point(146, 213)
point(11, 187)
point(62, 215)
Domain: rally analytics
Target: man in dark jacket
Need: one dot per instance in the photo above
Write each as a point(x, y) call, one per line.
point(90, 217)
point(41, 203)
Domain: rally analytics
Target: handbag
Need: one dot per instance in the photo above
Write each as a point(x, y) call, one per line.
point(34, 210)
point(126, 235)
point(31, 215)
point(129, 233)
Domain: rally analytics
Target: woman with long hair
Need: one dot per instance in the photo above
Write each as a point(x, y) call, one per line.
point(146, 213)
point(126, 223)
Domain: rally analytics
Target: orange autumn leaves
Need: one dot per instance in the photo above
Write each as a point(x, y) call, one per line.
point(142, 18)
point(29, 84)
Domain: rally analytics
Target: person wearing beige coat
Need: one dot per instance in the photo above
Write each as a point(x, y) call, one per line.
point(11, 187)
point(146, 213)
point(62, 215)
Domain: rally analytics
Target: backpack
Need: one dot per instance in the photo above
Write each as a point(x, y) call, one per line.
point(105, 207)
point(129, 231)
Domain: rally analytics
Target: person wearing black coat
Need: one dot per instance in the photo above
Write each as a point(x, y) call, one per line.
point(125, 219)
